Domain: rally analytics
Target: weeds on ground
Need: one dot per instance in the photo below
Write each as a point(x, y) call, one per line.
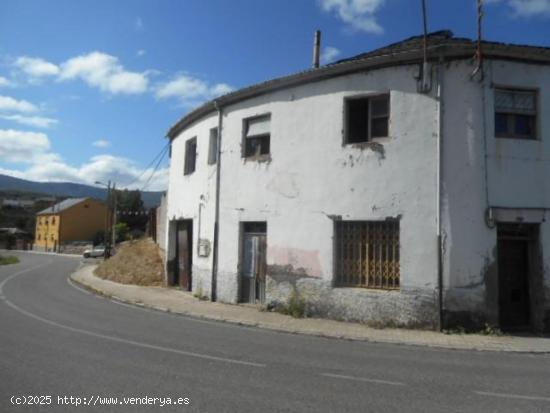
point(199, 294)
point(10, 259)
point(487, 330)
point(295, 306)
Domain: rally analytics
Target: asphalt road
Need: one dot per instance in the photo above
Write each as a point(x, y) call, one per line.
point(57, 340)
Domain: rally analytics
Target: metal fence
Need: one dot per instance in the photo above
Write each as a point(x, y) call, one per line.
point(367, 254)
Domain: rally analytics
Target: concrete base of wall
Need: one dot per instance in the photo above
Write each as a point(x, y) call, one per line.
point(202, 281)
point(404, 308)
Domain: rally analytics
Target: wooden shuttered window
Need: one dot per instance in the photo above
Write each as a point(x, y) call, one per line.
point(367, 254)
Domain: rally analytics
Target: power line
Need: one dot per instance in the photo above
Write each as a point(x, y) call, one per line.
point(161, 153)
point(156, 168)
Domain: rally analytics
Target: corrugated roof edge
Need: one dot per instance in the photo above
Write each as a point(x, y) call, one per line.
point(442, 42)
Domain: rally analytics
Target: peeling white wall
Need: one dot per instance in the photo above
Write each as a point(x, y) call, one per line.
point(187, 192)
point(312, 176)
point(516, 176)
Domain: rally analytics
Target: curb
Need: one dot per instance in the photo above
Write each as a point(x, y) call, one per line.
point(311, 333)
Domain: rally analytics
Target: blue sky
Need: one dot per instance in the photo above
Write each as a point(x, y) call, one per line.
point(89, 88)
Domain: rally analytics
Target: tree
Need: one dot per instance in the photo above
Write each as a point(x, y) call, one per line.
point(130, 209)
point(121, 230)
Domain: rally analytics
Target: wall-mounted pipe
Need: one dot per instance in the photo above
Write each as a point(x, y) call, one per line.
point(214, 282)
point(439, 174)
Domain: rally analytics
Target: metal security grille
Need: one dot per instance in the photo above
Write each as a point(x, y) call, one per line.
point(367, 254)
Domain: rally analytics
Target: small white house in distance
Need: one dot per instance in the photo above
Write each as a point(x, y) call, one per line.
point(382, 188)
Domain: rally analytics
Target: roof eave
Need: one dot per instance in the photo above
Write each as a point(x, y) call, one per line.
point(447, 51)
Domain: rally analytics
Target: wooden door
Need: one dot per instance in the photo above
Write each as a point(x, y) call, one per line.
point(253, 267)
point(184, 254)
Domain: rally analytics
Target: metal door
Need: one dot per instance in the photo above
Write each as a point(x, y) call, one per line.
point(253, 268)
point(513, 268)
point(184, 256)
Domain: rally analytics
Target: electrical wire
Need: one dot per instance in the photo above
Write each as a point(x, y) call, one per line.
point(155, 169)
point(162, 152)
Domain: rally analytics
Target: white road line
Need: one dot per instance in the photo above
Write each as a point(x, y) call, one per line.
point(113, 338)
point(364, 379)
point(82, 290)
point(512, 396)
point(22, 272)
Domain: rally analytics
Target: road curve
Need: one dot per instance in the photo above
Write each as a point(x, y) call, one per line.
point(57, 340)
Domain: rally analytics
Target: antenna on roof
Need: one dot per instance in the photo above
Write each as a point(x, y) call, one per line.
point(479, 55)
point(425, 77)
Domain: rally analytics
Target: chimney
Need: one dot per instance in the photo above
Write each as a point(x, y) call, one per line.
point(316, 48)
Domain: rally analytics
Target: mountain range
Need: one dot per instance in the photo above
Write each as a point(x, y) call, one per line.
point(68, 189)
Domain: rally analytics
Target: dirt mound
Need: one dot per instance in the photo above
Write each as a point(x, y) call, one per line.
point(136, 262)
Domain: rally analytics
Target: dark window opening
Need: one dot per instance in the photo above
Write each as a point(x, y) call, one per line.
point(190, 156)
point(515, 114)
point(259, 227)
point(257, 136)
point(366, 118)
point(213, 146)
point(258, 145)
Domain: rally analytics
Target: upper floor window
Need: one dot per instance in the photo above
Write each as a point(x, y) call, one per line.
point(257, 134)
point(515, 113)
point(213, 146)
point(190, 156)
point(366, 118)
point(53, 220)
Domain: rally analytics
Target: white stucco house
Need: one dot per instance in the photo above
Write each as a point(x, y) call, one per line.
point(382, 188)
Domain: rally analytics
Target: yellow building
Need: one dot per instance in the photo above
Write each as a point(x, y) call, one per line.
point(75, 219)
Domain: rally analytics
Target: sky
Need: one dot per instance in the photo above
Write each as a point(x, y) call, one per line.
point(89, 88)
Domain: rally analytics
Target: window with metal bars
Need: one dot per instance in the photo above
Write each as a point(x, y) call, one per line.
point(515, 113)
point(367, 254)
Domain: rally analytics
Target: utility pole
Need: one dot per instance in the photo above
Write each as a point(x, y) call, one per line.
point(106, 235)
point(113, 230)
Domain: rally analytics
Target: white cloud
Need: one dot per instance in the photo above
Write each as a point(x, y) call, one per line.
point(190, 90)
point(22, 146)
point(10, 104)
point(4, 82)
point(101, 143)
point(33, 150)
point(358, 14)
point(138, 24)
point(97, 69)
point(36, 121)
point(328, 54)
point(105, 72)
point(527, 8)
point(36, 67)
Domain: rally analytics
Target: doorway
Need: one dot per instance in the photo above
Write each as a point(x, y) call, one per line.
point(517, 251)
point(184, 254)
point(253, 261)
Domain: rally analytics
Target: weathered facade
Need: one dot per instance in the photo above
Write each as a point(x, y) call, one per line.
point(75, 219)
point(374, 190)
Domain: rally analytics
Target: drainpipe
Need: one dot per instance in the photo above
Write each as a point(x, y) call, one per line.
point(214, 283)
point(439, 185)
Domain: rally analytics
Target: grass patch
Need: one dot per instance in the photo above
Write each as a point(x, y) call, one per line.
point(295, 306)
point(487, 330)
point(136, 262)
point(10, 259)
